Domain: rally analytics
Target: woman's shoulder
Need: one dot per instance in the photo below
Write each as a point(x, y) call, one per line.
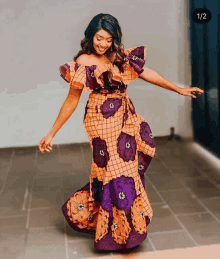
point(86, 60)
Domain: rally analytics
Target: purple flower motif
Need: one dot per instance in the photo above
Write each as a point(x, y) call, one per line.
point(97, 189)
point(110, 107)
point(90, 77)
point(124, 192)
point(146, 134)
point(126, 147)
point(100, 153)
point(143, 162)
point(136, 59)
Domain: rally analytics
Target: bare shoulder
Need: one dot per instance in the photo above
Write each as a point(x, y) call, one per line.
point(85, 60)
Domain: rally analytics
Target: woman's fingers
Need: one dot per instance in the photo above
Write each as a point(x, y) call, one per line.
point(43, 147)
point(198, 90)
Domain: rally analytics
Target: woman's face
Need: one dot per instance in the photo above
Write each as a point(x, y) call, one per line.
point(102, 41)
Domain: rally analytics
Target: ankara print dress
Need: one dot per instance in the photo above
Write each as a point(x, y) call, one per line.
point(113, 205)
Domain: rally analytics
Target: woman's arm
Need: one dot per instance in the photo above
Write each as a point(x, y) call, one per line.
point(66, 110)
point(153, 77)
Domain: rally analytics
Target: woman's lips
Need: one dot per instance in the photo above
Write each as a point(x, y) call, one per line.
point(102, 49)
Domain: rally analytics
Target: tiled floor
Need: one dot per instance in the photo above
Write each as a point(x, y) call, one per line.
point(183, 188)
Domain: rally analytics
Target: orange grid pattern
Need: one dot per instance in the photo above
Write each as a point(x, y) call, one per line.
point(109, 130)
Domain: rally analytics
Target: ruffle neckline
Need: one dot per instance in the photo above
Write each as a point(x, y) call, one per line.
point(135, 60)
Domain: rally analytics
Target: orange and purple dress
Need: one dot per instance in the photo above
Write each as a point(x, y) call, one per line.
point(113, 205)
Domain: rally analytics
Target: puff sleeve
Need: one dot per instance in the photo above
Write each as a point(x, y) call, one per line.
point(135, 62)
point(74, 74)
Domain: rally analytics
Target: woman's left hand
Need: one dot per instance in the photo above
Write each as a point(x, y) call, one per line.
point(190, 91)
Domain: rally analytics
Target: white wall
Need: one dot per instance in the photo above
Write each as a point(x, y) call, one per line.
point(39, 36)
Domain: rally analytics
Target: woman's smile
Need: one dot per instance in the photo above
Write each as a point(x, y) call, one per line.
point(102, 41)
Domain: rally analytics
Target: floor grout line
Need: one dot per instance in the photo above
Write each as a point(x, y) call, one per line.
point(7, 173)
point(167, 232)
point(172, 190)
point(31, 193)
point(25, 196)
point(157, 203)
point(151, 242)
point(64, 219)
point(12, 216)
point(191, 214)
point(45, 227)
point(43, 208)
point(210, 198)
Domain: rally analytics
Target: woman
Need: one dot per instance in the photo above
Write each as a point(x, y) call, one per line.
point(113, 205)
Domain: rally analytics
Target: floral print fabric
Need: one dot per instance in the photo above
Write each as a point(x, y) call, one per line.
point(113, 205)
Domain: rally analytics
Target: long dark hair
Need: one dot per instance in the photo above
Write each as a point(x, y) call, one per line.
point(110, 24)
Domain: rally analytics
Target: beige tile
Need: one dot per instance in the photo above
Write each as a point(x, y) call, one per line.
point(23, 163)
point(84, 249)
point(202, 187)
point(25, 150)
point(87, 156)
point(152, 194)
point(213, 174)
point(71, 157)
point(75, 180)
point(4, 169)
point(5, 156)
point(47, 192)
point(180, 201)
point(172, 162)
point(46, 217)
point(11, 202)
point(214, 206)
point(73, 235)
point(165, 182)
point(13, 237)
point(17, 181)
point(175, 240)
point(162, 220)
point(45, 243)
point(186, 171)
point(203, 228)
point(68, 192)
point(48, 162)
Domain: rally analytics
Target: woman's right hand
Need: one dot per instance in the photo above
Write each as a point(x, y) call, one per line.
point(46, 144)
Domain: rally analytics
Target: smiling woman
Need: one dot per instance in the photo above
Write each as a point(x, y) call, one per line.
point(102, 41)
point(113, 205)
point(103, 37)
